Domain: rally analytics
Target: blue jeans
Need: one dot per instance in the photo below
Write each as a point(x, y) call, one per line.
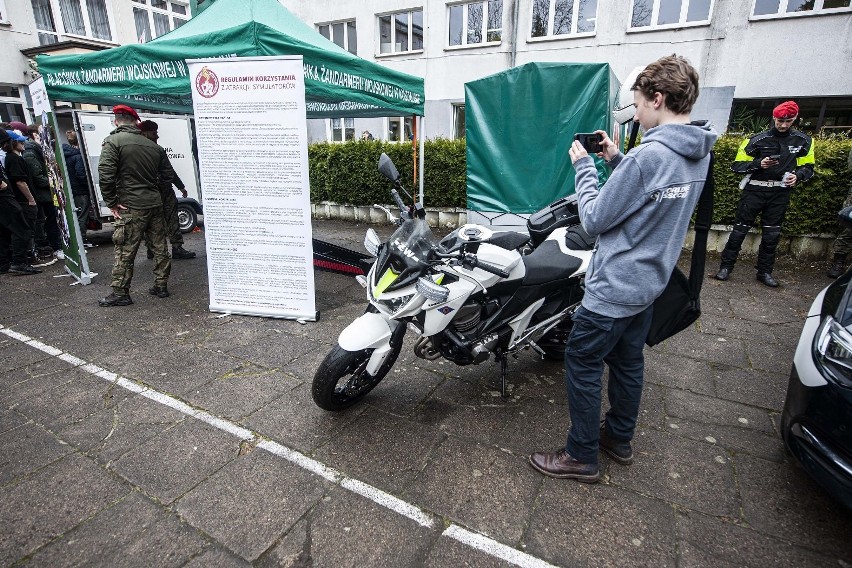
point(618, 342)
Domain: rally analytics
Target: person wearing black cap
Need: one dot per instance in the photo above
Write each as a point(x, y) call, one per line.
point(131, 169)
point(773, 162)
point(170, 205)
point(15, 232)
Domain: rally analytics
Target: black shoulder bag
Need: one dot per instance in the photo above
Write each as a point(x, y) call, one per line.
point(679, 305)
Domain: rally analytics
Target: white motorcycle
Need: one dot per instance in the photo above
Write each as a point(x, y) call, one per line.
point(474, 294)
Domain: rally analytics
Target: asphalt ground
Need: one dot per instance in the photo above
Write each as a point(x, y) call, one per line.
point(161, 434)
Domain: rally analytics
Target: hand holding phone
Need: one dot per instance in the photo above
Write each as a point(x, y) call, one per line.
point(591, 142)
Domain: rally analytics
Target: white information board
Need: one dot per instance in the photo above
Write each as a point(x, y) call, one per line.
point(250, 123)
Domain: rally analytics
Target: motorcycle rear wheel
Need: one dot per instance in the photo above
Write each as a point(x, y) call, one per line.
point(342, 380)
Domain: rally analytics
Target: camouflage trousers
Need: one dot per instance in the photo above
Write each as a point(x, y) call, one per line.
point(129, 230)
point(170, 214)
point(843, 243)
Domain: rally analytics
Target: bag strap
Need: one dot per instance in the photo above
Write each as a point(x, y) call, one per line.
point(703, 218)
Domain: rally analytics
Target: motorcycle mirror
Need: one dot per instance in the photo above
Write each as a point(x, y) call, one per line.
point(387, 168)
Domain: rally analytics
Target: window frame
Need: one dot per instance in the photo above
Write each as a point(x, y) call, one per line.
point(145, 5)
point(485, 29)
point(551, 14)
point(782, 13)
point(329, 129)
point(457, 109)
point(345, 33)
point(392, 16)
point(60, 32)
point(402, 122)
point(19, 100)
point(680, 24)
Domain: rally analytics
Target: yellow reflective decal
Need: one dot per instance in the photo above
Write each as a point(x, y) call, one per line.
point(386, 280)
point(440, 278)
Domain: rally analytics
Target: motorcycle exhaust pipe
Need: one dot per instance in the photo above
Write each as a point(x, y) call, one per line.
point(424, 349)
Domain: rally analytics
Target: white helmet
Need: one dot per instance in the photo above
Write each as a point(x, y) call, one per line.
point(626, 110)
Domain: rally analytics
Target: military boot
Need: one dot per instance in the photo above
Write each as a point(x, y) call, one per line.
point(159, 291)
point(180, 253)
point(115, 300)
point(838, 266)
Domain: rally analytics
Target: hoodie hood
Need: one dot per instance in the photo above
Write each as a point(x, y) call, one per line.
point(692, 141)
point(34, 146)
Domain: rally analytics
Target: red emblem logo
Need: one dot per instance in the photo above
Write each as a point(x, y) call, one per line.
point(207, 83)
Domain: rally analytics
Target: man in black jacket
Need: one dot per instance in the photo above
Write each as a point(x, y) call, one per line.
point(15, 230)
point(47, 226)
point(79, 182)
point(773, 162)
point(170, 204)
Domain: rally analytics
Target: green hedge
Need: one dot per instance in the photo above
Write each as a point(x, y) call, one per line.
point(346, 173)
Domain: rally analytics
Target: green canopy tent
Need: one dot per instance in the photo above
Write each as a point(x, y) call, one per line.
point(154, 75)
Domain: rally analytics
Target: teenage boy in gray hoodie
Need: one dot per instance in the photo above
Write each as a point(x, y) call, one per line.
point(640, 217)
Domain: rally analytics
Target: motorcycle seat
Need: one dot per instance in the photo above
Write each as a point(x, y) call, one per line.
point(548, 263)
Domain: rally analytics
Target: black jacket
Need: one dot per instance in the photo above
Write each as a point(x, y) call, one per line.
point(795, 148)
point(76, 170)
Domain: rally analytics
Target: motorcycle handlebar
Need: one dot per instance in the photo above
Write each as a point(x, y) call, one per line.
point(398, 200)
point(488, 267)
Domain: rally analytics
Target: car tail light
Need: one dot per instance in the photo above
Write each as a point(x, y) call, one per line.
point(833, 351)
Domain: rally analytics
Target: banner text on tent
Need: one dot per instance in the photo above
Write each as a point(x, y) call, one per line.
point(119, 73)
point(356, 82)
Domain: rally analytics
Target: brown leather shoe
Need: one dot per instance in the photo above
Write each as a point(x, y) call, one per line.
point(560, 464)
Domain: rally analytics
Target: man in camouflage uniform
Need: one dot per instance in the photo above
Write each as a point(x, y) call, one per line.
point(131, 169)
point(843, 243)
point(170, 204)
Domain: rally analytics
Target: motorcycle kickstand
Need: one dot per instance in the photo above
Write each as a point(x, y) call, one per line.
point(504, 371)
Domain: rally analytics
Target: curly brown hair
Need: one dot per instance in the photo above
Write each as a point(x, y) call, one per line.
point(672, 76)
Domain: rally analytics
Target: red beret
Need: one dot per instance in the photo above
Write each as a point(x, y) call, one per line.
point(787, 109)
point(124, 109)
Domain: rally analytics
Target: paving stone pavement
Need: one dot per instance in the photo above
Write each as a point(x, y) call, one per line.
point(94, 474)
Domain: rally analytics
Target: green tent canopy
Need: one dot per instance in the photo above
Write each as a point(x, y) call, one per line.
point(154, 75)
point(519, 126)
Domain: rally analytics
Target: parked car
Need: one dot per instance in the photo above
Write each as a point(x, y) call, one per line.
point(817, 420)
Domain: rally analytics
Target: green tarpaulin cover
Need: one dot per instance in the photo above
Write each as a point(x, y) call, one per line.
point(519, 125)
point(154, 75)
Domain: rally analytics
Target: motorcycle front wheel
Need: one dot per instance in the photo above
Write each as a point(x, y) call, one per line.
point(342, 379)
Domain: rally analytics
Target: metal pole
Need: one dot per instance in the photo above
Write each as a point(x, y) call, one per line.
point(422, 146)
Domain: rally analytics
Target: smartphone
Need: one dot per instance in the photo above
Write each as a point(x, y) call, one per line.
point(590, 141)
point(774, 157)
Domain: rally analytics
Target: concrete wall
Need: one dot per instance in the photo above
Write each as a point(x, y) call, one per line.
point(736, 57)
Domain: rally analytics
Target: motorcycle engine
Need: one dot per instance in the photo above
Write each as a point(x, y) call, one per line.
point(468, 317)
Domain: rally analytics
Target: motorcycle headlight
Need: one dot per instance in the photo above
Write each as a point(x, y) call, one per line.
point(372, 242)
point(431, 290)
point(396, 304)
point(833, 351)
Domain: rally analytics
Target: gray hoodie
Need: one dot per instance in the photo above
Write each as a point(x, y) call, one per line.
point(641, 215)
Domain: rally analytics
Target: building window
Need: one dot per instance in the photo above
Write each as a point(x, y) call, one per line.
point(475, 23)
point(87, 18)
point(671, 13)
point(774, 8)
point(341, 33)
point(401, 32)
point(342, 129)
point(458, 122)
point(563, 17)
point(4, 15)
point(12, 105)
point(400, 129)
point(154, 18)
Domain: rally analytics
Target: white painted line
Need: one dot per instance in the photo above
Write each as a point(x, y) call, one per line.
point(467, 537)
point(46, 348)
point(388, 501)
point(494, 548)
point(301, 460)
point(15, 335)
point(76, 361)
